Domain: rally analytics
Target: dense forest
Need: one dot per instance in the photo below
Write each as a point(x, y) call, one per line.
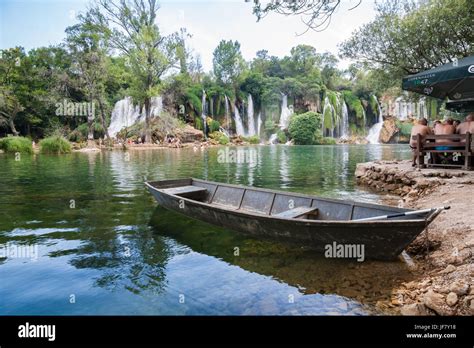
point(116, 49)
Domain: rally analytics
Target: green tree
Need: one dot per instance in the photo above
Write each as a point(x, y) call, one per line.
point(228, 62)
point(406, 38)
point(303, 128)
point(130, 27)
point(88, 49)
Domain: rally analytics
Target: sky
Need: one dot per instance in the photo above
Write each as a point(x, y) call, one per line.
point(36, 23)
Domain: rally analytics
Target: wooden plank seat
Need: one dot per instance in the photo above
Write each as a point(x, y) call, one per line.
point(188, 191)
point(296, 212)
point(459, 149)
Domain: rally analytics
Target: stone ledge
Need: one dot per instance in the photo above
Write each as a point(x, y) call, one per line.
point(400, 178)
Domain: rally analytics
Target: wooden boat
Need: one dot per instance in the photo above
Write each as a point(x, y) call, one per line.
point(306, 220)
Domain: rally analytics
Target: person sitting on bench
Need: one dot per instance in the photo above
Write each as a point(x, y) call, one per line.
point(446, 128)
point(420, 128)
point(467, 125)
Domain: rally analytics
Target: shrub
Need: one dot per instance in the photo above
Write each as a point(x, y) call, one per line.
point(354, 104)
point(281, 136)
point(55, 144)
point(254, 139)
point(198, 124)
point(326, 141)
point(214, 126)
point(303, 128)
point(16, 144)
point(220, 137)
point(405, 128)
point(79, 134)
point(223, 139)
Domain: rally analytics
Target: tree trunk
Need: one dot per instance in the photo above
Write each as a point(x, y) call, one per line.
point(147, 120)
point(12, 126)
point(90, 123)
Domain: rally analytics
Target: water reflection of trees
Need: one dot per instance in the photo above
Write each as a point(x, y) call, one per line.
point(366, 282)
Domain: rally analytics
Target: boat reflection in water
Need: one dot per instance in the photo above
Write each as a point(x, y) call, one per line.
point(353, 287)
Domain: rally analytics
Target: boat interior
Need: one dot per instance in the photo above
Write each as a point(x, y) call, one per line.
point(275, 203)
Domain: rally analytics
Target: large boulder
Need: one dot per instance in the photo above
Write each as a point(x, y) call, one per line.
point(188, 134)
point(389, 131)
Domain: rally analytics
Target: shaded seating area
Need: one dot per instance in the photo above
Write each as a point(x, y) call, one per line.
point(455, 151)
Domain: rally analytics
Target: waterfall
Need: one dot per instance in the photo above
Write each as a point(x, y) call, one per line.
point(374, 132)
point(285, 112)
point(328, 106)
point(250, 116)
point(203, 113)
point(273, 138)
point(239, 126)
point(226, 133)
point(125, 114)
point(344, 121)
point(227, 113)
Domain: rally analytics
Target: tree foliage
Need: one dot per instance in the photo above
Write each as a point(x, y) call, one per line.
point(408, 37)
point(228, 62)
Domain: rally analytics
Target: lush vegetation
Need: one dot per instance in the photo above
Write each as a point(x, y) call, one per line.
point(55, 144)
point(16, 144)
point(404, 128)
point(116, 49)
point(304, 127)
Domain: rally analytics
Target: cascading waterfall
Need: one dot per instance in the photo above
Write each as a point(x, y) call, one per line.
point(285, 112)
point(125, 114)
point(226, 133)
point(203, 113)
point(364, 116)
point(328, 106)
point(273, 138)
point(250, 116)
point(374, 132)
point(285, 115)
point(227, 113)
point(344, 121)
point(239, 126)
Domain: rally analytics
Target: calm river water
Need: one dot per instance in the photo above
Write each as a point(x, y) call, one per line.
point(79, 235)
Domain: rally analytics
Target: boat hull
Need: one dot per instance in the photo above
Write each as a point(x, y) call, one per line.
point(383, 240)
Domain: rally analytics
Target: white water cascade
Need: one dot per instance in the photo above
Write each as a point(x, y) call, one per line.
point(285, 112)
point(239, 126)
point(273, 138)
point(328, 106)
point(125, 114)
point(250, 117)
point(374, 132)
point(344, 121)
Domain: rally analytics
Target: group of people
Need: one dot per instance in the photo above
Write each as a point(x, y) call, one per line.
point(447, 127)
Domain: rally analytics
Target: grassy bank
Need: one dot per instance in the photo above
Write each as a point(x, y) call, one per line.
point(16, 144)
point(55, 144)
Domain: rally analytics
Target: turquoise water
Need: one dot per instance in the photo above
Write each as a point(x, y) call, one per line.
point(95, 242)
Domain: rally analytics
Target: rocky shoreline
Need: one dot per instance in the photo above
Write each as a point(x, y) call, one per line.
point(443, 255)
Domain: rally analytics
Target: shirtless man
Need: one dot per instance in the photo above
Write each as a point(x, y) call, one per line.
point(446, 128)
point(467, 125)
point(422, 129)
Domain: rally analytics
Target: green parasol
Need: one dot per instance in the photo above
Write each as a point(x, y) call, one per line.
point(454, 81)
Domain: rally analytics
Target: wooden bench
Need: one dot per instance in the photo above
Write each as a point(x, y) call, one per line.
point(458, 145)
point(189, 191)
point(296, 212)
